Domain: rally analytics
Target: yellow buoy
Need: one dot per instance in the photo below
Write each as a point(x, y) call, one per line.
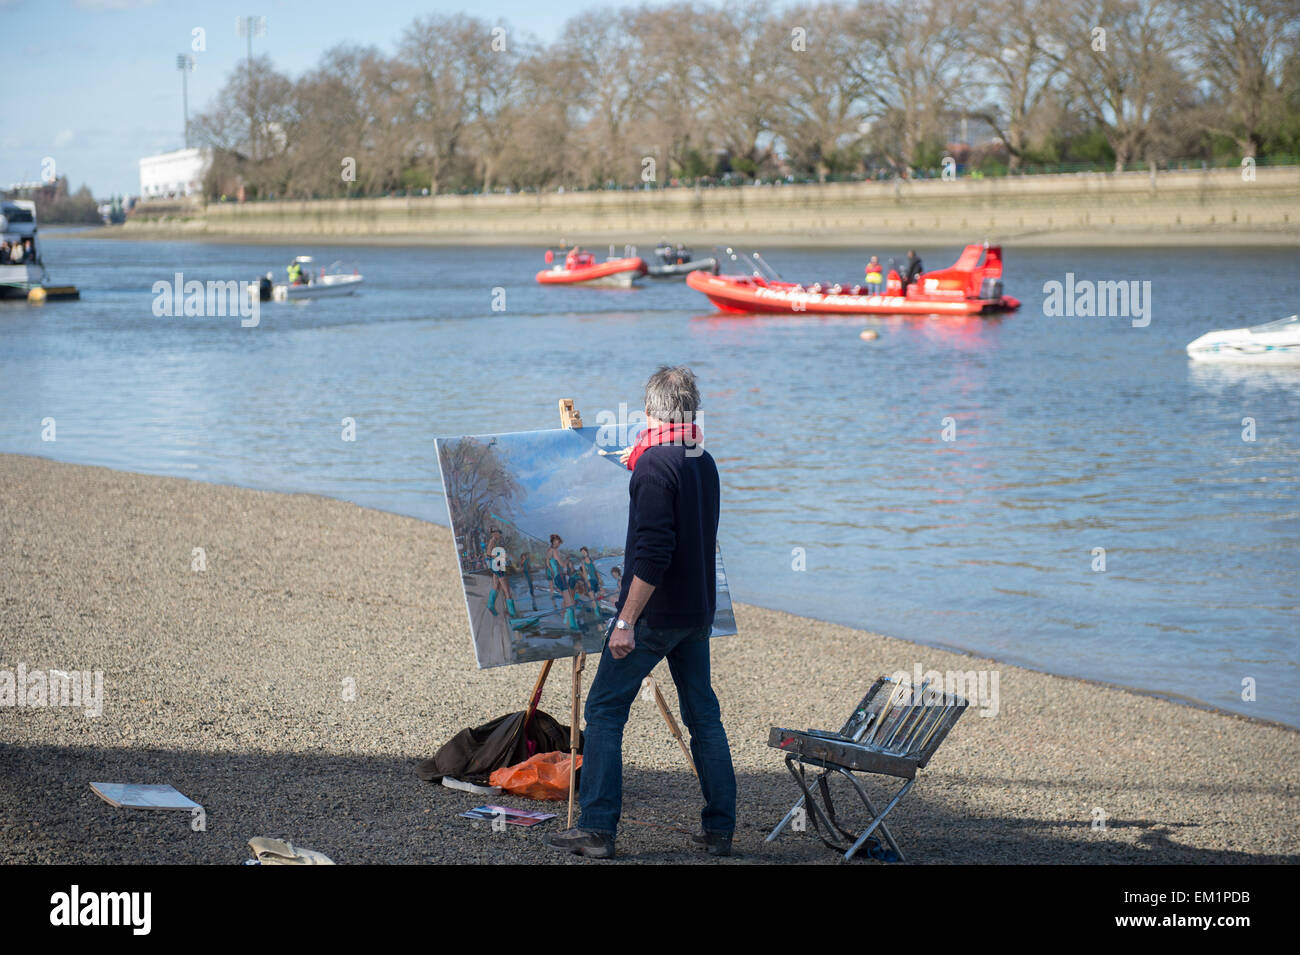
point(36, 295)
point(869, 335)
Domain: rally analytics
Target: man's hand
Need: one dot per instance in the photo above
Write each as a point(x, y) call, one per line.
point(621, 643)
point(624, 455)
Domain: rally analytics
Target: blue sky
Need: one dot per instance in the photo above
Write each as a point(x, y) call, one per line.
point(95, 84)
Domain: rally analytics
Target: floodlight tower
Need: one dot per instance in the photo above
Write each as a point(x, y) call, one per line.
point(185, 63)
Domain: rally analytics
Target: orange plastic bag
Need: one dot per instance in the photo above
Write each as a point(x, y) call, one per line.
point(544, 776)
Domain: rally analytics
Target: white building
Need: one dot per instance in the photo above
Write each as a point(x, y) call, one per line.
point(175, 174)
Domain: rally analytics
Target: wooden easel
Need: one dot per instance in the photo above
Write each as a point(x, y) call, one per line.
point(570, 418)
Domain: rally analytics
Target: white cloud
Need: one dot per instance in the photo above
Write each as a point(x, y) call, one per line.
point(64, 138)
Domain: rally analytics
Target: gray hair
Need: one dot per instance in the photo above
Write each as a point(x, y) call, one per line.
point(671, 394)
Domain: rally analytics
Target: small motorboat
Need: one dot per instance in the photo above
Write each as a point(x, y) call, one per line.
point(677, 261)
point(1277, 341)
point(970, 286)
point(581, 268)
point(331, 281)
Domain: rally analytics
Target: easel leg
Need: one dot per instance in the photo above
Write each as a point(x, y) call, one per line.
point(533, 701)
point(571, 418)
point(578, 663)
point(672, 723)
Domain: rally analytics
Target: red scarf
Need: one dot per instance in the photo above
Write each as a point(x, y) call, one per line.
point(676, 433)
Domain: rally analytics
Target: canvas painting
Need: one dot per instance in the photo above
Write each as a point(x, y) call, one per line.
point(540, 520)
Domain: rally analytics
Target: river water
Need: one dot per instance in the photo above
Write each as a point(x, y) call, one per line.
point(843, 498)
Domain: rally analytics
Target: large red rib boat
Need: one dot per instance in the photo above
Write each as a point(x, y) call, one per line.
point(973, 284)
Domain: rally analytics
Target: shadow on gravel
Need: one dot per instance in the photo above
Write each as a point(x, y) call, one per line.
point(374, 810)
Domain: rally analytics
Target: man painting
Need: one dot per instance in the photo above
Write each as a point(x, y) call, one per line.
point(665, 610)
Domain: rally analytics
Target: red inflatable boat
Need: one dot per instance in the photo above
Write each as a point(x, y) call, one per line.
point(969, 287)
point(581, 268)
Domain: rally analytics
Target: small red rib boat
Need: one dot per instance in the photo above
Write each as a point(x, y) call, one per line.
point(967, 288)
point(581, 268)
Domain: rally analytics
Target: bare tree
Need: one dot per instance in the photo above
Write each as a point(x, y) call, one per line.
point(1239, 48)
point(542, 150)
point(912, 60)
point(744, 44)
point(1122, 59)
point(604, 68)
point(330, 126)
point(820, 113)
point(676, 58)
point(496, 81)
point(258, 91)
point(1010, 42)
point(437, 53)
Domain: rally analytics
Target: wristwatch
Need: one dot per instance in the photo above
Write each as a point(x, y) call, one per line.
point(622, 624)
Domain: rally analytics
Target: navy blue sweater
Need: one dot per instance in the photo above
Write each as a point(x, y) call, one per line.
point(672, 534)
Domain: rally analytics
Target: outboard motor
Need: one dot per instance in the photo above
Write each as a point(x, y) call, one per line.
point(264, 288)
point(991, 289)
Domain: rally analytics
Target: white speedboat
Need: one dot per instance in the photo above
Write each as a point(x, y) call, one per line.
point(331, 281)
point(1277, 341)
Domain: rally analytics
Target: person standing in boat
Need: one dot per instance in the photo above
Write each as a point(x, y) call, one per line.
point(912, 269)
point(578, 259)
point(875, 277)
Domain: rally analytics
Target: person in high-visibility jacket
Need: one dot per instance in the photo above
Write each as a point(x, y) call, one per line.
point(295, 273)
point(875, 276)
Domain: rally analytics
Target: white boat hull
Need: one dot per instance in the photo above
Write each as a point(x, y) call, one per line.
point(326, 287)
point(15, 280)
point(1274, 343)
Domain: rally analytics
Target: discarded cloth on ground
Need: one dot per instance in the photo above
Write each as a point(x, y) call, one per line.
point(473, 753)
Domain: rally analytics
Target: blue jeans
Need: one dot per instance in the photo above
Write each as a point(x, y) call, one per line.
point(612, 692)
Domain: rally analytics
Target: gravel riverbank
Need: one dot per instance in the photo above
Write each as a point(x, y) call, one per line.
point(231, 683)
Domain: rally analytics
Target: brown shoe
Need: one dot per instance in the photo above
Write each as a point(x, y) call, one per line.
point(718, 843)
point(582, 842)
